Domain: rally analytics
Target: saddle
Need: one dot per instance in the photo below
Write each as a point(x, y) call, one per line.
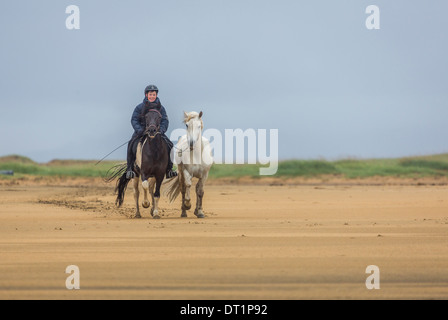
point(141, 142)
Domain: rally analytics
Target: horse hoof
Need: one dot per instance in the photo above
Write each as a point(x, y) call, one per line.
point(146, 205)
point(156, 216)
point(183, 215)
point(187, 205)
point(138, 216)
point(200, 215)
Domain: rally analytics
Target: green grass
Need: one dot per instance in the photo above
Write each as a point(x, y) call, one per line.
point(306, 168)
point(411, 167)
point(233, 170)
point(64, 168)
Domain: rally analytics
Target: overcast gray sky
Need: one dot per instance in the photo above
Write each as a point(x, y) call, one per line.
point(310, 69)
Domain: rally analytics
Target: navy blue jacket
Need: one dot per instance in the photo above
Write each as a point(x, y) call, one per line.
point(138, 122)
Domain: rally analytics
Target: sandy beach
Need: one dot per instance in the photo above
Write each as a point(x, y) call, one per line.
point(261, 240)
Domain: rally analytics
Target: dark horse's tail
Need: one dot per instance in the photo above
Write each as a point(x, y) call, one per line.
point(122, 183)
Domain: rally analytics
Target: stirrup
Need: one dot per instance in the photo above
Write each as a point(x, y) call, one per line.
point(171, 174)
point(130, 175)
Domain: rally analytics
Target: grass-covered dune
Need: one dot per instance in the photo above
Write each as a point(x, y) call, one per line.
point(68, 168)
point(409, 167)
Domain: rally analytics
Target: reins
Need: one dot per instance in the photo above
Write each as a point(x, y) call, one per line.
point(181, 151)
point(152, 137)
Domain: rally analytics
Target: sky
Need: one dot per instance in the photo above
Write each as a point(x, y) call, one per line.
point(311, 69)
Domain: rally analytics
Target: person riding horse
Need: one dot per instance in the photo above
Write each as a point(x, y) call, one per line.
point(151, 101)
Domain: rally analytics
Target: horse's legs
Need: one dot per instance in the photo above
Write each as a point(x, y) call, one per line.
point(156, 195)
point(182, 191)
point(148, 188)
point(136, 196)
point(185, 189)
point(146, 203)
point(151, 189)
point(199, 194)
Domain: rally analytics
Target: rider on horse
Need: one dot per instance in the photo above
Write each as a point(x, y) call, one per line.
point(151, 101)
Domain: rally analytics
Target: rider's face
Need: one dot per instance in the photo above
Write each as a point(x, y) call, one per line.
point(152, 96)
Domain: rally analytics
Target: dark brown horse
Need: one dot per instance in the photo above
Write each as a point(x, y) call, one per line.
point(150, 166)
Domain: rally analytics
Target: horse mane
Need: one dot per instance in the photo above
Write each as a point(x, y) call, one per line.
point(148, 106)
point(193, 115)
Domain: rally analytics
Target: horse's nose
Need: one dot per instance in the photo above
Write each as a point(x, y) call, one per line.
point(152, 132)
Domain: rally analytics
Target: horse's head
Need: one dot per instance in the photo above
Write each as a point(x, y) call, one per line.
point(153, 118)
point(193, 121)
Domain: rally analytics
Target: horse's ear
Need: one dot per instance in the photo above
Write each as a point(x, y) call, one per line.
point(200, 114)
point(185, 116)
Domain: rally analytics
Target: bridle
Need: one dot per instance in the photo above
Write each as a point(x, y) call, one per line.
point(153, 125)
point(180, 151)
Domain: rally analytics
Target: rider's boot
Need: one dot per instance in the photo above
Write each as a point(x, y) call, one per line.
point(170, 173)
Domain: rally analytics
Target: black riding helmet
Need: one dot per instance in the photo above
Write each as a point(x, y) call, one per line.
point(151, 87)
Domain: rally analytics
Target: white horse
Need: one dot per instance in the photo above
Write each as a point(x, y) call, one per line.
point(194, 159)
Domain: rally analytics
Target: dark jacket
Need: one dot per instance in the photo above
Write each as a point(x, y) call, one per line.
point(138, 121)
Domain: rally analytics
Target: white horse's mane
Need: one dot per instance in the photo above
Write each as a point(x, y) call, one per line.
point(193, 115)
